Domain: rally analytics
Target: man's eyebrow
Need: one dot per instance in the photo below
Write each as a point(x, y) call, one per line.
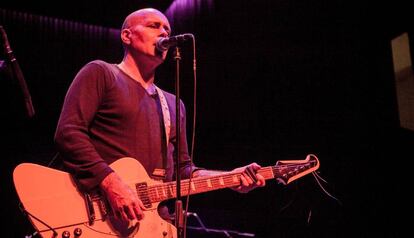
point(159, 23)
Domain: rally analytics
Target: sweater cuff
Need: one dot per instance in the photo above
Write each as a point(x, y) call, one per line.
point(92, 182)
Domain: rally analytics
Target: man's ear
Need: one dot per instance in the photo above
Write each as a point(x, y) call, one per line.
point(126, 36)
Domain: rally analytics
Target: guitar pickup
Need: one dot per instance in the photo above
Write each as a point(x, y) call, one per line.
point(143, 194)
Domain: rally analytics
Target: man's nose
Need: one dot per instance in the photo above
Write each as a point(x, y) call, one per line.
point(164, 33)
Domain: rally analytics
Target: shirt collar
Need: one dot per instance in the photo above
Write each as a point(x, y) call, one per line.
point(151, 90)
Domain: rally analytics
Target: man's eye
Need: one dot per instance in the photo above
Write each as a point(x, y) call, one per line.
point(168, 31)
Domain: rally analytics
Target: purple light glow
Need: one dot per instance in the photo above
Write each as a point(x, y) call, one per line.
point(182, 13)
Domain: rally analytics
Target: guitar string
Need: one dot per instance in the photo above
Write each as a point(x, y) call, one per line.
point(227, 180)
point(265, 171)
point(262, 170)
point(155, 194)
point(169, 190)
point(203, 181)
point(154, 191)
point(202, 184)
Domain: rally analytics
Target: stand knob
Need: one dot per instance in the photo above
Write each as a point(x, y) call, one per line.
point(77, 232)
point(66, 234)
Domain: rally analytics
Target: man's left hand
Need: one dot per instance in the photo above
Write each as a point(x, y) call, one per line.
point(249, 179)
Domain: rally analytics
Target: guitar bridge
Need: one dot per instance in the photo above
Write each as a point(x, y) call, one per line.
point(90, 209)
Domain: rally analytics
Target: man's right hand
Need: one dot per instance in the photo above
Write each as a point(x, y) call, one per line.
point(124, 201)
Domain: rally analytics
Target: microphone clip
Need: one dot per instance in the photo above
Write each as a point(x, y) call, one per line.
point(166, 42)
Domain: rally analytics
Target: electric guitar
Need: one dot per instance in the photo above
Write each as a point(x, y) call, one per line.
point(56, 208)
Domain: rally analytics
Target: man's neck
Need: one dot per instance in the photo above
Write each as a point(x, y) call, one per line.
point(141, 72)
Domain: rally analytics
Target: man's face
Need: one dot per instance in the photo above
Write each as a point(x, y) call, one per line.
point(145, 30)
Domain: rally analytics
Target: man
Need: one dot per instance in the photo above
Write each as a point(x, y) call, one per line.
point(114, 111)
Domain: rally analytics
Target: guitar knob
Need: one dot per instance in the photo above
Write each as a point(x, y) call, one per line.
point(66, 234)
point(77, 232)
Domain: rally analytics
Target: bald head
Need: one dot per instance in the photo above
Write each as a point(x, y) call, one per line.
point(140, 33)
point(140, 15)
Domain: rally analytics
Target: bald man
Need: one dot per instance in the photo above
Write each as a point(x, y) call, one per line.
point(113, 111)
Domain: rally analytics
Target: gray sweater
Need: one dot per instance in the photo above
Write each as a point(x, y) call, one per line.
point(108, 115)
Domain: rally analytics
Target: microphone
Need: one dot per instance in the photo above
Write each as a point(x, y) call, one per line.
point(166, 42)
point(6, 45)
point(17, 72)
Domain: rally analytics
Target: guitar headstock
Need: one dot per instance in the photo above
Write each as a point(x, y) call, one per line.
point(287, 171)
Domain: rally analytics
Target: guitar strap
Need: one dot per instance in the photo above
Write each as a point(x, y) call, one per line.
point(165, 114)
point(165, 126)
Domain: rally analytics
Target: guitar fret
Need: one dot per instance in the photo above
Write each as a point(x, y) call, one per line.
point(221, 181)
point(209, 183)
point(157, 194)
point(170, 190)
point(235, 178)
point(163, 192)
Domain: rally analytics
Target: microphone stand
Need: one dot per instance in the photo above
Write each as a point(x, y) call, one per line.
point(17, 73)
point(179, 220)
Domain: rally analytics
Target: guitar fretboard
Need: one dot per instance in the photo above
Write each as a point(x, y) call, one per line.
point(165, 191)
point(283, 171)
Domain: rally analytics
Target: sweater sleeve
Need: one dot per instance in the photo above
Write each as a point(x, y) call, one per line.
point(71, 137)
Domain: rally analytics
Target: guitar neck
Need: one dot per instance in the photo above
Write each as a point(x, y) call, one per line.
point(165, 191)
point(284, 171)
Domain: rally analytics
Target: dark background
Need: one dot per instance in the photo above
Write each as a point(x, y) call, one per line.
point(277, 80)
